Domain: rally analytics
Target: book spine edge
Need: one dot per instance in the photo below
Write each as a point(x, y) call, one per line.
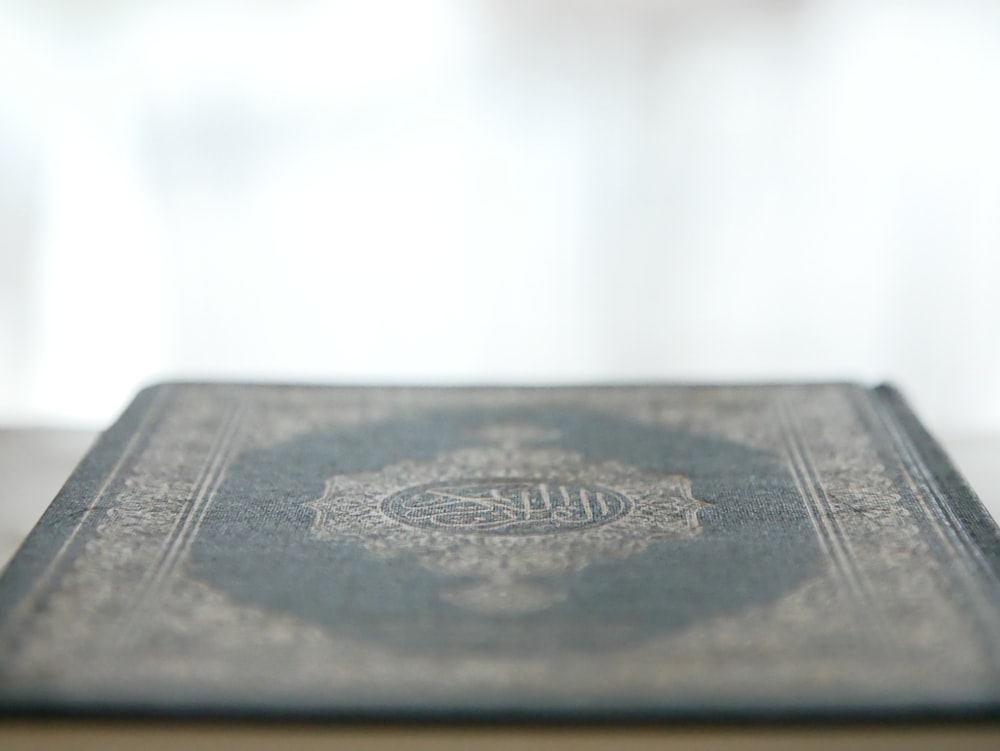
point(968, 509)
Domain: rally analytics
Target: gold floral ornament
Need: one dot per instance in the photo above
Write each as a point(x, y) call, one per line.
point(506, 515)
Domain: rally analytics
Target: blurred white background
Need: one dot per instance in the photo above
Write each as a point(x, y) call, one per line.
point(506, 191)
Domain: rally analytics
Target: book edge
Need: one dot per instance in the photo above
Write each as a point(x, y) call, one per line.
point(27, 567)
point(969, 510)
point(111, 735)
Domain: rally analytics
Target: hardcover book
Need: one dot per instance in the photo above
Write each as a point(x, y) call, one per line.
point(647, 555)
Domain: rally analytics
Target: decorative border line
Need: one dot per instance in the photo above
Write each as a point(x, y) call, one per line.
point(153, 411)
point(936, 508)
point(177, 542)
point(836, 544)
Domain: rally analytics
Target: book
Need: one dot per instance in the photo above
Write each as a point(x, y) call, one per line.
point(686, 559)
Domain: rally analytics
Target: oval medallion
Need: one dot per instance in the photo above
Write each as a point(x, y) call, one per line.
point(504, 506)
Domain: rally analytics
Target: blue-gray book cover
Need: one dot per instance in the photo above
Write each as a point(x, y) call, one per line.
point(636, 552)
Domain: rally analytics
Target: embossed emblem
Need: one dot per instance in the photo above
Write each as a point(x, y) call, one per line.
point(504, 518)
point(504, 506)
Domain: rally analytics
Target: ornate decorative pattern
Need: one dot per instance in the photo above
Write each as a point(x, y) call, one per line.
point(505, 506)
point(123, 609)
point(472, 514)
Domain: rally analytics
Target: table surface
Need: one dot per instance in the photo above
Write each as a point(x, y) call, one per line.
point(34, 463)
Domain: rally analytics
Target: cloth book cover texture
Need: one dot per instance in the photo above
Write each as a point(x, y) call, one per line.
point(660, 552)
